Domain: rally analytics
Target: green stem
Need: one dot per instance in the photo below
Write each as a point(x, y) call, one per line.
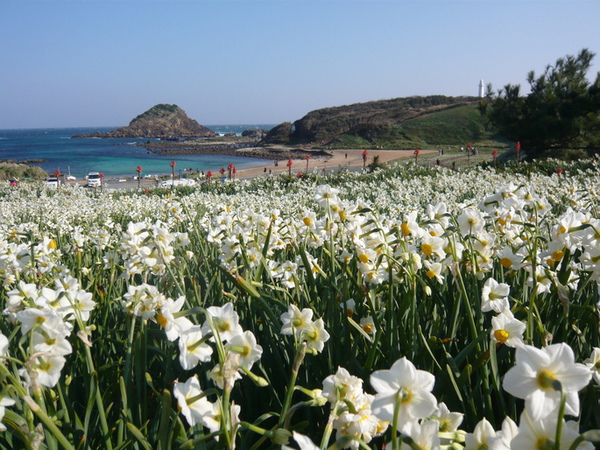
point(48, 422)
point(300, 354)
point(561, 415)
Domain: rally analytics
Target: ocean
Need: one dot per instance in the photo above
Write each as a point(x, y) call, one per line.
point(116, 158)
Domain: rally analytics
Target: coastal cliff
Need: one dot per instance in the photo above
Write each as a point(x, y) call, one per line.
point(394, 123)
point(161, 121)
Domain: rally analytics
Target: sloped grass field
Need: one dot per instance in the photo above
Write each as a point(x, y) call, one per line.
point(409, 307)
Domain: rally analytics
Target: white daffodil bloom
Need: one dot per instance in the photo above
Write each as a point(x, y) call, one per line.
point(315, 335)
point(405, 388)
point(480, 435)
point(4, 402)
point(172, 325)
point(503, 438)
point(224, 320)
point(48, 368)
point(295, 321)
point(192, 348)
point(342, 386)
point(494, 296)
point(246, 346)
point(192, 404)
point(507, 330)
point(593, 363)
point(541, 433)
point(536, 374)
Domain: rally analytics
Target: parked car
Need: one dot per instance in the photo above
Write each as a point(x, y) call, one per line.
point(52, 182)
point(93, 179)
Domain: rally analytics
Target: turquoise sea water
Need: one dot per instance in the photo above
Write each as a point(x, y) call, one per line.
point(112, 157)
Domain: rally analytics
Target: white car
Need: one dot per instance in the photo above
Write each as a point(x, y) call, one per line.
point(93, 179)
point(52, 182)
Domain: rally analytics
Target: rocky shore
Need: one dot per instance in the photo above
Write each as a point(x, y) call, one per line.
point(245, 148)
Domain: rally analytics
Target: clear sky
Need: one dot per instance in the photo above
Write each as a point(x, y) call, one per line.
point(100, 63)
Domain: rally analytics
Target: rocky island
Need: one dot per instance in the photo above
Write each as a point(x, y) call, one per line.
point(162, 121)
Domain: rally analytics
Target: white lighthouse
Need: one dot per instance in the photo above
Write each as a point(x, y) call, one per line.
point(481, 93)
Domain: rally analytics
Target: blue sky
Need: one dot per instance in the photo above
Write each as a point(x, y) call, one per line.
point(100, 63)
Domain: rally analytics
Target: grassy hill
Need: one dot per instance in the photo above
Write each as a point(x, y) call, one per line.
point(402, 123)
point(454, 126)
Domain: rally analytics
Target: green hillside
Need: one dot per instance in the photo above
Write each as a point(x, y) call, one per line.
point(410, 122)
point(454, 126)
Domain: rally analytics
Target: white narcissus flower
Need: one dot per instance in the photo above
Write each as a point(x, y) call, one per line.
point(502, 439)
point(173, 326)
point(326, 196)
point(593, 362)
point(494, 296)
point(541, 433)
point(3, 345)
point(470, 221)
point(479, 438)
point(192, 349)
point(315, 335)
point(245, 344)
point(303, 441)
point(368, 325)
point(4, 402)
point(405, 387)
point(224, 320)
point(448, 421)
point(191, 404)
point(425, 435)
point(342, 386)
point(507, 330)
point(534, 378)
point(48, 369)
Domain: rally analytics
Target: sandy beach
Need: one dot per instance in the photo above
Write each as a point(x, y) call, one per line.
point(339, 160)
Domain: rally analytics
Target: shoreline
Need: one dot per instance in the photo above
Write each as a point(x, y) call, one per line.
point(334, 161)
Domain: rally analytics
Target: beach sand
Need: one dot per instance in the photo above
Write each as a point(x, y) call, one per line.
point(339, 160)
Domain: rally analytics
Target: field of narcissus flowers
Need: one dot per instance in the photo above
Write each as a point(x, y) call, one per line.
point(405, 308)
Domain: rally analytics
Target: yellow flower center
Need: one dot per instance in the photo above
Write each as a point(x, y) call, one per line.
point(342, 214)
point(162, 321)
point(363, 258)
point(307, 221)
point(430, 274)
point(368, 328)
point(405, 395)
point(52, 244)
point(506, 263)
point(427, 249)
point(222, 325)
point(501, 336)
point(546, 379)
point(558, 255)
point(405, 229)
point(544, 443)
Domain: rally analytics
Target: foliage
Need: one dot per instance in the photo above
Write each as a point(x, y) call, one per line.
point(562, 110)
point(21, 171)
point(359, 252)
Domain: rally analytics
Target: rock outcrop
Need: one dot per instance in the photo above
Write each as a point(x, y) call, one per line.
point(161, 121)
point(368, 120)
point(254, 133)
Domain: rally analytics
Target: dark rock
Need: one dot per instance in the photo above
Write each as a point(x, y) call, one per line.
point(280, 134)
point(161, 121)
point(254, 133)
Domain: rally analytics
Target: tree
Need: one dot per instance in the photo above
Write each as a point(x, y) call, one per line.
point(561, 112)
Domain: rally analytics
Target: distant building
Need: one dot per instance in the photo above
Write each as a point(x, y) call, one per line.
point(481, 89)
